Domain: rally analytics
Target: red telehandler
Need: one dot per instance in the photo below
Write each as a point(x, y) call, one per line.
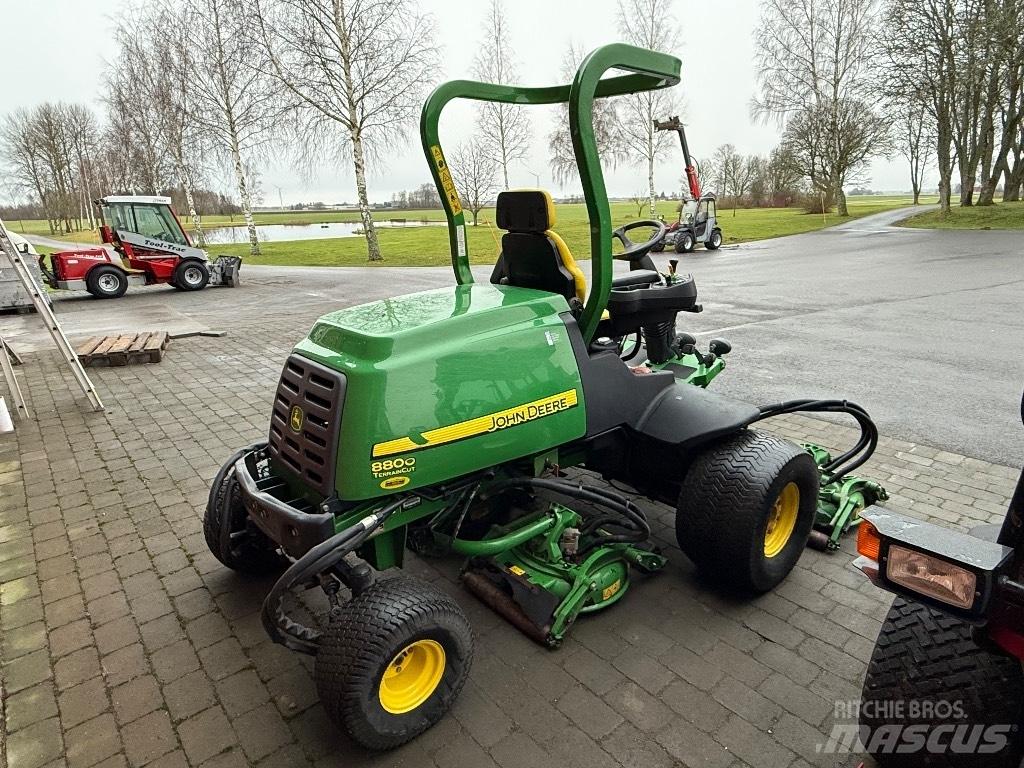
point(151, 247)
point(698, 216)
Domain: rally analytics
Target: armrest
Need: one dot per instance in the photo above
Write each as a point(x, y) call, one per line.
point(636, 277)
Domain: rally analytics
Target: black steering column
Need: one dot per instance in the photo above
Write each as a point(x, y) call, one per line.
point(638, 254)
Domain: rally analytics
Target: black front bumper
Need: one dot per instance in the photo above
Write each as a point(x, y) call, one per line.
point(295, 529)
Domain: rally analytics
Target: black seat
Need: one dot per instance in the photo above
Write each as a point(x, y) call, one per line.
point(532, 253)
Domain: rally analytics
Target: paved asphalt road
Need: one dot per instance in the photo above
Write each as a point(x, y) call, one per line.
point(923, 328)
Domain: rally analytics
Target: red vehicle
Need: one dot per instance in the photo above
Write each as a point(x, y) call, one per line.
point(698, 216)
point(149, 246)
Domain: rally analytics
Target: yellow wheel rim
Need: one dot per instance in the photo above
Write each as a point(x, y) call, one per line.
point(411, 677)
point(782, 520)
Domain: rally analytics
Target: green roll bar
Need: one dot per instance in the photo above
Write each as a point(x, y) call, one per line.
point(648, 70)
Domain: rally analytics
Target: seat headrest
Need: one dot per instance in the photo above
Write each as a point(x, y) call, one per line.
point(525, 210)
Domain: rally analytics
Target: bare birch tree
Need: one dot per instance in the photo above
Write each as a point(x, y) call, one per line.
point(965, 60)
point(235, 103)
point(505, 127)
point(921, 42)
point(639, 199)
point(1007, 28)
point(647, 24)
point(155, 59)
point(815, 59)
point(24, 160)
point(474, 171)
point(176, 100)
point(144, 151)
point(83, 137)
point(354, 71)
point(48, 155)
point(607, 128)
point(915, 141)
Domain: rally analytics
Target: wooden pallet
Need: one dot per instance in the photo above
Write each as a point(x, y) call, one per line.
point(123, 349)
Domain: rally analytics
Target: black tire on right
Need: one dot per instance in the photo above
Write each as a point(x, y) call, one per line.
point(190, 275)
point(362, 639)
point(106, 282)
point(714, 242)
point(925, 656)
point(725, 503)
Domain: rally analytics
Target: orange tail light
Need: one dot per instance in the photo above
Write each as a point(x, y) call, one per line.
point(869, 543)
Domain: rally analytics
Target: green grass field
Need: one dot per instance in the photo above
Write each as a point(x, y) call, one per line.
point(428, 246)
point(999, 216)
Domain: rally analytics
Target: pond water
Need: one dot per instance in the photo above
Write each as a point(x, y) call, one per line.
point(269, 233)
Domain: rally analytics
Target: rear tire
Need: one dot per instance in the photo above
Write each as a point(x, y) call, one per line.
point(745, 510)
point(395, 621)
point(230, 536)
point(190, 275)
point(923, 655)
point(684, 242)
point(714, 242)
point(106, 282)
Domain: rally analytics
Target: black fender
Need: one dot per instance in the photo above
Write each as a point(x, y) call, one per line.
point(688, 417)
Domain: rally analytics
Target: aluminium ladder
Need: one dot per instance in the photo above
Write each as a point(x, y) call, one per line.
point(42, 306)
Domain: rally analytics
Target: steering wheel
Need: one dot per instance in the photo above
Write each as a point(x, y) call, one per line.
point(634, 251)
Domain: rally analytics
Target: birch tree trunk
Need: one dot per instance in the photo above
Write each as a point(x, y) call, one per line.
point(197, 223)
point(356, 133)
point(359, 161)
point(504, 157)
point(243, 194)
point(650, 180)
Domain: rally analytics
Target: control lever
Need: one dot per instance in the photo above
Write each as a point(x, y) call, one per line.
point(685, 344)
point(719, 347)
point(672, 265)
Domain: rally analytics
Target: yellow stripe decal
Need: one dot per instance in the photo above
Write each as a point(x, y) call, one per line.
point(492, 422)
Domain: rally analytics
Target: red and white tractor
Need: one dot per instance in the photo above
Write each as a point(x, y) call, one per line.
point(147, 245)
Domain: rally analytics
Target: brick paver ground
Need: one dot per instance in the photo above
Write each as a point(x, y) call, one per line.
point(125, 643)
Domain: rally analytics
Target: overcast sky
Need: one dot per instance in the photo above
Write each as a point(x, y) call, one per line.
point(56, 50)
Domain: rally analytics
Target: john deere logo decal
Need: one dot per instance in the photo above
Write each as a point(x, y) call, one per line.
point(390, 483)
point(492, 422)
point(295, 419)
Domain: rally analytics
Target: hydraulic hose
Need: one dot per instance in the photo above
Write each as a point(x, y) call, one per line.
point(846, 462)
point(323, 556)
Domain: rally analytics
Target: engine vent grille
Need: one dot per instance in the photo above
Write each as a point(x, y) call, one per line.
point(305, 421)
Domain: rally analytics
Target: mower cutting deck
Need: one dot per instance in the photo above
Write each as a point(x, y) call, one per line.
point(444, 421)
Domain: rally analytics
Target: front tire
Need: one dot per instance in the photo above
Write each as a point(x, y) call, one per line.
point(106, 282)
point(230, 536)
point(190, 276)
point(392, 661)
point(714, 242)
point(930, 658)
point(684, 242)
point(745, 510)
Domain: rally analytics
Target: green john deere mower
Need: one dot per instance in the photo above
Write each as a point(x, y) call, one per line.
point(444, 422)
